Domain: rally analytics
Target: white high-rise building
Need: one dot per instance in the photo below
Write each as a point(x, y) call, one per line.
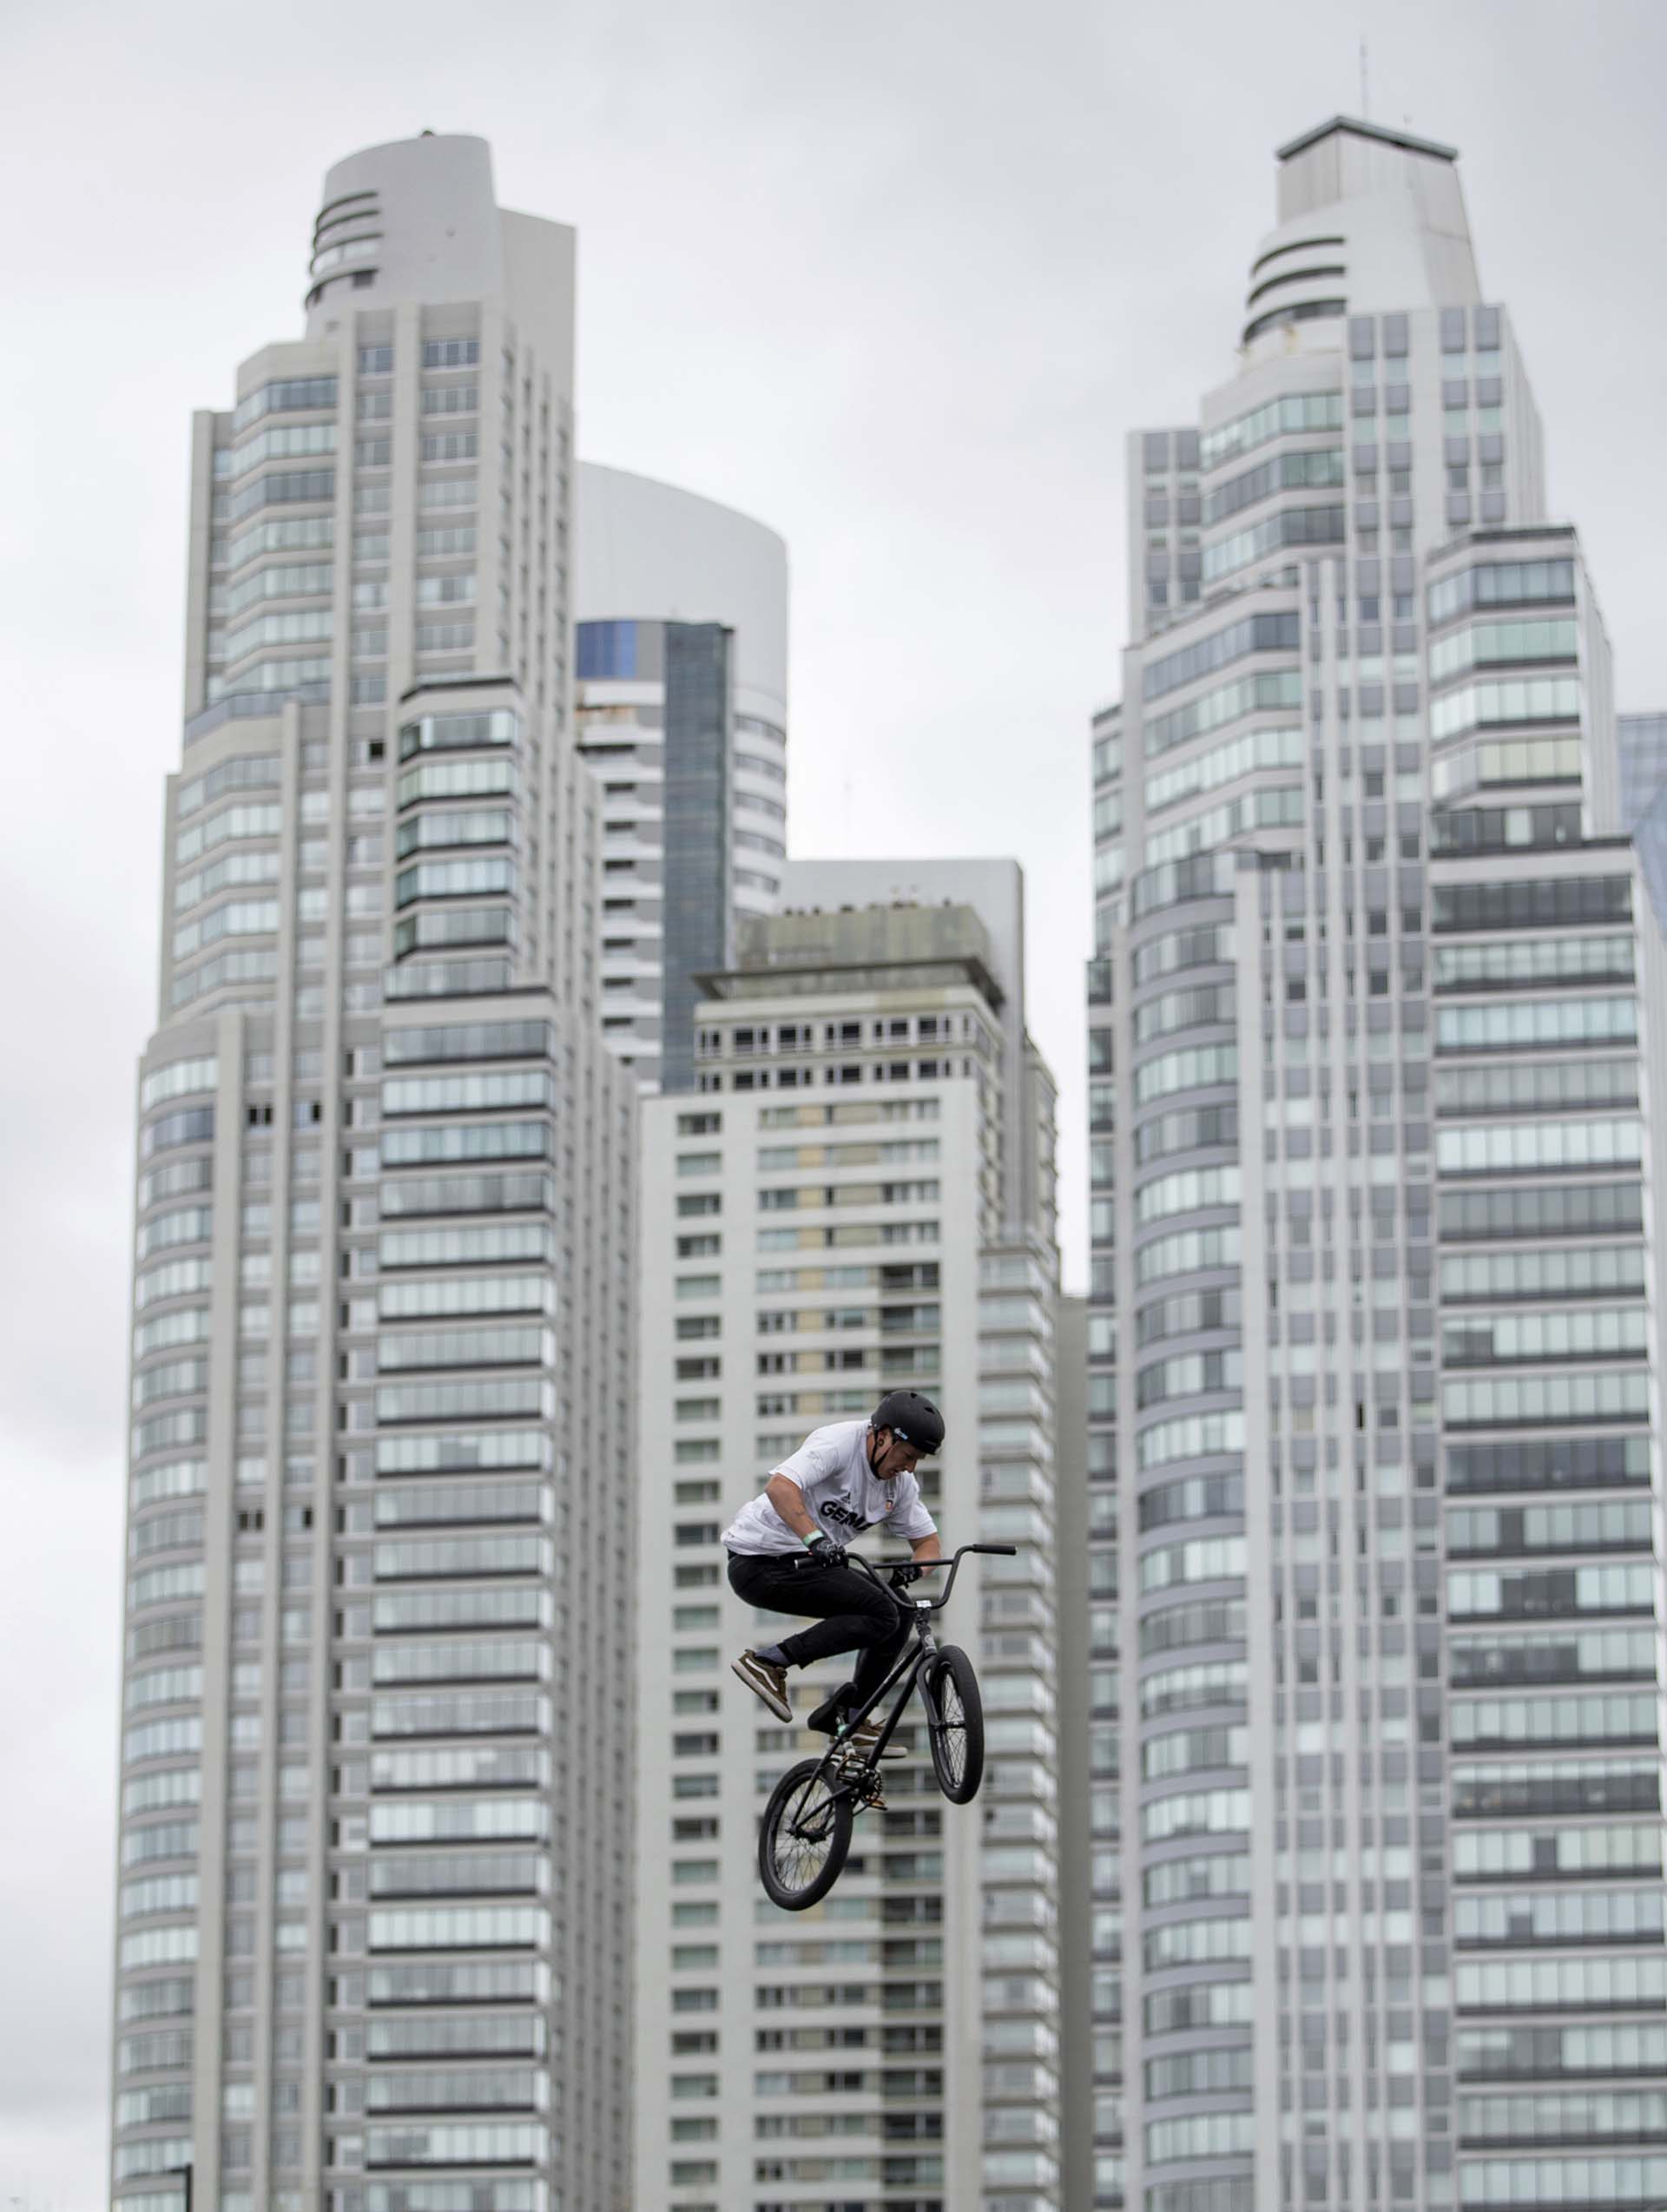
point(373, 1942)
point(680, 607)
point(1378, 1022)
point(859, 1196)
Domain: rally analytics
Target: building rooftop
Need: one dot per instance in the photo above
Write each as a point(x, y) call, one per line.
point(866, 947)
point(1403, 139)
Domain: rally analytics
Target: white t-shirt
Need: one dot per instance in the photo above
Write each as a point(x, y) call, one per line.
point(843, 1496)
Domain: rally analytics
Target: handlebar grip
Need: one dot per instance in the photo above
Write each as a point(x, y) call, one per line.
point(995, 1550)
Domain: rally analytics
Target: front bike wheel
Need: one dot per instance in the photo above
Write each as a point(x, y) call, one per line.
point(804, 1836)
point(955, 1725)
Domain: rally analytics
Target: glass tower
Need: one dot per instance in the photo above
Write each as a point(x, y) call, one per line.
point(376, 1769)
point(1375, 1015)
point(680, 613)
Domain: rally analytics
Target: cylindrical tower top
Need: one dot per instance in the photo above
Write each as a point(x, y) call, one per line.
point(1370, 219)
point(652, 551)
point(415, 220)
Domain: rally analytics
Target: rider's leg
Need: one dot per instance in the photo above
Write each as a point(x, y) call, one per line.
point(852, 1614)
point(877, 1660)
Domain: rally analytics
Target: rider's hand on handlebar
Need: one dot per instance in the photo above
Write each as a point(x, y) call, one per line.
point(909, 1572)
point(825, 1553)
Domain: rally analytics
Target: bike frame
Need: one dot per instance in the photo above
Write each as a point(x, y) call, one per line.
point(912, 1661)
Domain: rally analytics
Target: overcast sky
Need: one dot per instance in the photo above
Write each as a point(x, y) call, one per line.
point(893, 275)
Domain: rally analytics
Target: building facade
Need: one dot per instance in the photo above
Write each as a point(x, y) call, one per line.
point(681, 655)
point(1374, 1031)
point(376, 1763)
point(836, 1211)
point(1643, 799)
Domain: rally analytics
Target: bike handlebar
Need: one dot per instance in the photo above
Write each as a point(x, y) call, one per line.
point(873, 1569)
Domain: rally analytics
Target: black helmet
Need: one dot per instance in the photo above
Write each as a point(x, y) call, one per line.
point(910, 1418)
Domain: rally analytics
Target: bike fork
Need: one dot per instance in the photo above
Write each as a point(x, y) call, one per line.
point(929, 1652)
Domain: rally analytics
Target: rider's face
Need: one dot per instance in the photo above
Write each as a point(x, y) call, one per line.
point(891, 1455)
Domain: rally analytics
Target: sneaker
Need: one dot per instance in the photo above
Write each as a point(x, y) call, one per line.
point(766, 1682)
point(863, 1738)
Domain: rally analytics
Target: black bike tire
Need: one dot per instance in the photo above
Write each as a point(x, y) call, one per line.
point(799, 1900)
point(953, 1662)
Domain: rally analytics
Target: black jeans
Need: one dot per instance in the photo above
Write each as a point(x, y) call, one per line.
point(852, 1613)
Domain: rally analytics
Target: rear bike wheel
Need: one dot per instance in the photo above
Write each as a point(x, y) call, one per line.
point(955, 1725)
point(804, 1836)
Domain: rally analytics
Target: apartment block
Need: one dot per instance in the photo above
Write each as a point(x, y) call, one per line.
point(841, 1207)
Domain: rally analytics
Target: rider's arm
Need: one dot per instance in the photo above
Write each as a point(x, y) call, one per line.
point(788, 1500)
point(927, 1547)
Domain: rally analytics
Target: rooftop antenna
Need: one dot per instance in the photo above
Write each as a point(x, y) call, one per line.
point(1366, 104)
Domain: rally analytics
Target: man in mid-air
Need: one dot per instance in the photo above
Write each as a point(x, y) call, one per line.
point(786, 1552)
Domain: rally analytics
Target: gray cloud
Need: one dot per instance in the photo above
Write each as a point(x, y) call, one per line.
point(895, 279)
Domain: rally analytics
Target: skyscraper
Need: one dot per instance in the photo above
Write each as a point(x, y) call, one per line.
point(373, 1937)
point(1376, 1014)
point(859, 1196)
point(682, 613)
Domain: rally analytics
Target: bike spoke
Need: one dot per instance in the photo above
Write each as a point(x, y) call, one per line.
point(951, 1729)
point(804, 1836)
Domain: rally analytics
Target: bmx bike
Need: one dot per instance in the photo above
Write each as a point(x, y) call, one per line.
point(805, 1836)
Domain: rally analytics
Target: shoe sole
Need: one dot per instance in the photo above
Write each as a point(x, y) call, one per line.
point(762, 1691)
